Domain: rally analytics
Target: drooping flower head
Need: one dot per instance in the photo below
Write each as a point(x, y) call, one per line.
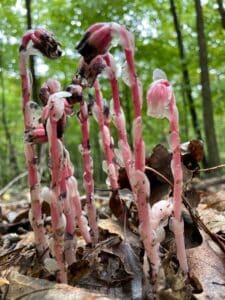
point(43, 41)
point(159, 95)
point(90, 71)
point(97, 39)
point(51, 86)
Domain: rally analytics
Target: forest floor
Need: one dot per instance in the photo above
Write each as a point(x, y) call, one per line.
point(116, 268)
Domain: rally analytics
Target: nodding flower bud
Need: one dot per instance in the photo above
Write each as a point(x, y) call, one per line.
point(56, 104)
point(158, 98)
point(76, 93)
point(43, 41)
point(96, 41)
point(90, 71)
point(50, 87)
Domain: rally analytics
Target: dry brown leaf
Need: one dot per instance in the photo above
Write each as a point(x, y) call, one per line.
point(28, 288)
point(113, 227)
point(213, 219)
point(214, 200)
point(207, 263)
point(3, 281)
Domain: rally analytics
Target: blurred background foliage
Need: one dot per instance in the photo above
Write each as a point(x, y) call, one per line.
point(152, 24)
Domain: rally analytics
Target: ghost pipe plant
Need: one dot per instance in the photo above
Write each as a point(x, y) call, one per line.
point(52, 86)
point(118, 114)
point(68, 186)
point(106, 139)
point(37, 41)
point(161, 103)
point(55, 110)
point(76, 90)
point(97, 41)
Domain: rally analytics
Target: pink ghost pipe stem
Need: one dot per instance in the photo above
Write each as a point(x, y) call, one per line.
point(106, 139)
point(33, 42)
point(88, 171)
point(50, 87)
point(75, 202)
point(56, 111)
point(178, 226)
point(118, 115)
point(69, 211)
point(161, 103)
point(77, 96)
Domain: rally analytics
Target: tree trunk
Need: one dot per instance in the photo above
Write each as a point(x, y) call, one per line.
point(32, 59)
point(12, 152)
point(186, 77)
point(209, 127)
point(221, 12)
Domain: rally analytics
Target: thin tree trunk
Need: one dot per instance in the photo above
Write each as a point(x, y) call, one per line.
point(221, 12)
point(186, 77)
point(32, 59)
point(12, 153)
point(207, 106)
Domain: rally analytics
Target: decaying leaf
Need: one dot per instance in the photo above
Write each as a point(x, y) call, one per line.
point(207, 263)
point(160, 160)
point(3, 281)
point(213, 219)
point(214, 200)
point(28, 288)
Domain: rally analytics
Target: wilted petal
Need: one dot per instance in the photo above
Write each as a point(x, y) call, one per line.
point(158, 74)
point(125, 75)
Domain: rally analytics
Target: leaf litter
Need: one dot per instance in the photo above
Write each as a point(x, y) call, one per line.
point(117, 266)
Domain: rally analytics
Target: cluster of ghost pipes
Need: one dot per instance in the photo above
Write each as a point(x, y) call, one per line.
point(63, 194)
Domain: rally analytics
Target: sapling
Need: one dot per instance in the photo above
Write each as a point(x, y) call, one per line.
point(162, 103)
point(97, 41)
point(37, 41)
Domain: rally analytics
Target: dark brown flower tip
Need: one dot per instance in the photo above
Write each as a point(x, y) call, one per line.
point(44, 95)
point(77, 93)
point(86, 50)
point(92, 70)
point(43, 41)
point(48, 46)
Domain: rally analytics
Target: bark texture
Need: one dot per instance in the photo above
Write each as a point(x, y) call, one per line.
point(207, 105)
